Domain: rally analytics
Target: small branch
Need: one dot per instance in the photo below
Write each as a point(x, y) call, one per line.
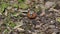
point(17, 26)
point(52, 9)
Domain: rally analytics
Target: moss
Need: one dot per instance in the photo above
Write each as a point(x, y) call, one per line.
point(23, 6)
point(0, 29)
point(58, 19)
point(15, 5)
point(12, 24)
point(21, 33)
point(6, 30)
point(3, 6)
point(21, 1)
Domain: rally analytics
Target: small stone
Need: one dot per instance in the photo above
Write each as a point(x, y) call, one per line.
point(37, 26)
point(49, 4)
point(15, 9)
point(20, 29)
point(9, 7)
point(52, 22)
point(54, 33)
point(52, 26)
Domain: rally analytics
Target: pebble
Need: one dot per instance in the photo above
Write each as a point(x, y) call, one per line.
point(52, 21)
point(52, 26)
point(9, 7)
point(49, 4)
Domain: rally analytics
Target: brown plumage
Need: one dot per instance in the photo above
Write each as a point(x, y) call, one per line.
point(31, 15)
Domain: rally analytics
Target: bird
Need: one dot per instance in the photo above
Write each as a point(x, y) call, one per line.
point(31, 14)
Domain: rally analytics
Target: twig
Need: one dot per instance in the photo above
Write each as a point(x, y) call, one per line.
point(52, 9)
point(16, 26)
